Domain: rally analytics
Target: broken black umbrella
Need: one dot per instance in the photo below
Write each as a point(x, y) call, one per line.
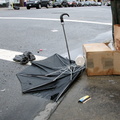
point(51, 77)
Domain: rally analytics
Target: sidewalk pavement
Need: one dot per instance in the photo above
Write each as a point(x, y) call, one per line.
point(7, 8)
point(103, 105)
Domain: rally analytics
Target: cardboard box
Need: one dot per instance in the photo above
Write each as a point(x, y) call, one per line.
point(99, 59)
point(116, 63)
point(117, 36)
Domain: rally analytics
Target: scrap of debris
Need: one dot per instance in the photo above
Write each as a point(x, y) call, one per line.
point(84, 99)
point(24, 58)
point(40, 50)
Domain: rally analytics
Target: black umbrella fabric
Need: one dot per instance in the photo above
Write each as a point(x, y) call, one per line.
point(50, 77)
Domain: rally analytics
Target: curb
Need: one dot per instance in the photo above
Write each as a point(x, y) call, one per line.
point(6, 8)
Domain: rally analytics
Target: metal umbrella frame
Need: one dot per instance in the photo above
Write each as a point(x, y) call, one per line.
point(62, 23)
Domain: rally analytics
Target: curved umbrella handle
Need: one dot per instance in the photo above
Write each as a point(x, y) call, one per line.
point(61, 17)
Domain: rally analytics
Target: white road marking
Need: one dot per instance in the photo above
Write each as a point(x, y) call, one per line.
point(8, 55)
point(54, 30)
point(52, 19)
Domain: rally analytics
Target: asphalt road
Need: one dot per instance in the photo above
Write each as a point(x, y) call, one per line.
point(34, 29)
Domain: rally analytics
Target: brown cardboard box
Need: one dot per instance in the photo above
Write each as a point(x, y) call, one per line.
point(117, 36)
point(99, 59)
point(116, 59)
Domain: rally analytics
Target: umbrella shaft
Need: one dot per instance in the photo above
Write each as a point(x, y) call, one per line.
point(66, 43)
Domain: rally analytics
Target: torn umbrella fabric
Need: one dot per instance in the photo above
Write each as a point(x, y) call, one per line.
point(50, 77)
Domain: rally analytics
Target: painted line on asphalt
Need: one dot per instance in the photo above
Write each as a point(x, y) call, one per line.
point(8, 55)
point(51, 19)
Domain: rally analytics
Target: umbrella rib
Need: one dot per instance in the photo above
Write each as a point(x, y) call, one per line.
point(32, 75)
point(81, 68)
point(59, 75)
point(35, 89)
point(56, 71)
point(78, 69)
point(66, 87)
point(71, 74)
point(49, 82)
point(37, 75)
point(62, 92)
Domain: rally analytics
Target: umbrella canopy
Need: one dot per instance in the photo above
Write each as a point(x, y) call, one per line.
point(51, 77)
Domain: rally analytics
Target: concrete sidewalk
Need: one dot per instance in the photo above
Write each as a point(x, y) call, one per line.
point(103, 90)
point(7, 8)
point(103, 105)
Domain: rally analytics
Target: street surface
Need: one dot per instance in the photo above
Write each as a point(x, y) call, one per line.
point(34, 29)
